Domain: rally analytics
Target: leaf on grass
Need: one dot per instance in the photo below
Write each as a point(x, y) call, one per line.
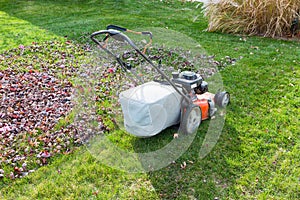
point(183, 165)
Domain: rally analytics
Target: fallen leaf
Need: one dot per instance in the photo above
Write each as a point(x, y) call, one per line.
point(183, 165)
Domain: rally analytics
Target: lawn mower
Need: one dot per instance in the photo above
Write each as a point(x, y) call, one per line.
point(153, 106)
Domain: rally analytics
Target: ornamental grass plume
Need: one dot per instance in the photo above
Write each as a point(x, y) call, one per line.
point(269, 18)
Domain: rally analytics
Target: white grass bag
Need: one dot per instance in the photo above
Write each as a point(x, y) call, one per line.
point(150, 108)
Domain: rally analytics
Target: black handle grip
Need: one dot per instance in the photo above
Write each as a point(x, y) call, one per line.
point(116, 28)
point(110, 32)
point(117, 35)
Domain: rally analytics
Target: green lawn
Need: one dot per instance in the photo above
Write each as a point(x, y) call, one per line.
point(256, 157)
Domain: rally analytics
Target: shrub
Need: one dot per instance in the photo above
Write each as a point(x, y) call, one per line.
point(270, 18)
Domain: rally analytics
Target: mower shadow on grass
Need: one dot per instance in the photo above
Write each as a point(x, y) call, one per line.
point(190, 177)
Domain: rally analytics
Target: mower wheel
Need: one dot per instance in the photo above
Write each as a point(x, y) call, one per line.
point(191, 119)
point(222, 99)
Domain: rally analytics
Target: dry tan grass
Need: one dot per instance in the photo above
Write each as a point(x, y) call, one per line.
point(271, 18)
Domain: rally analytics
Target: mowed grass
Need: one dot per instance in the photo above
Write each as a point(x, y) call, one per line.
point(257, 155)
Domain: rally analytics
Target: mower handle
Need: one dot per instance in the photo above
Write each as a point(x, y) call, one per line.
point(116, 34)
point(119, 28)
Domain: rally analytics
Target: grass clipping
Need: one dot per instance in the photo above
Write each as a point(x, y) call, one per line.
point(270, 18)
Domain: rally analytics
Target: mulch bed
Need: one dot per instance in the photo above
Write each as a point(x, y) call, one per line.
point(32, 102)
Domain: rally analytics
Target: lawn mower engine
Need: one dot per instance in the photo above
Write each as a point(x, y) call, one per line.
point(197, 89)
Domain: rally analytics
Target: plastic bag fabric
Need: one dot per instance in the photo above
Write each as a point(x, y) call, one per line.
point(150, 108)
